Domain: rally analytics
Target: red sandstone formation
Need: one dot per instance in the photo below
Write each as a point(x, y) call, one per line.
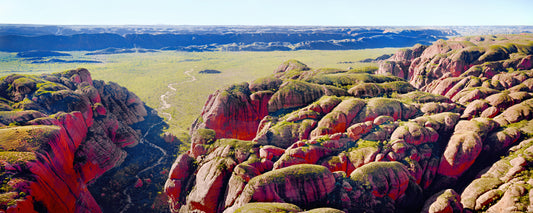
point(61, 131)
point(422, 136)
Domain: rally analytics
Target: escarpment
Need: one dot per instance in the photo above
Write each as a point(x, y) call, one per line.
point(58, 132)
point(440, 128)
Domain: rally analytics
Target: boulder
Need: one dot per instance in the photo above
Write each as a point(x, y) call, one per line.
point(339, 119)
point(460, 153)
point(444, 201)
point(500, 140)
point(266, 207)
point(466, 96)
point(295, 93)
point(358, 130)
point(474, 108)
point(178, 176)
point(515, 113)
point(365, 90)
point(291, 65)
point(303, 185)
point(270, 152)
point(232, 113)
point(509, 202)
point(376, 107)
point(385, 178)
point(500, 100)
point(239, 178)
point(210, 182)
point(267, 83)
point(310, 152)
point(413, 133)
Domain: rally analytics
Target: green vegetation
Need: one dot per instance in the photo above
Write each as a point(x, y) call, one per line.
point(365, 90)
point(25, 138)
point(366, 143)
point(149, 74)
point(377, 172)
point(525, 126)
point(369, 69)
point(266, 83)
point(207, 136)
point(8, 199)
point(419, 97)
point(268, 207)
point(235, 144)
point(346, 80)
point(48, 88)
point(17, 157)
point(300, 172)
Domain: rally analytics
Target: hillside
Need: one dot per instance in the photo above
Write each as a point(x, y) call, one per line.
point(58, 133)
point(439, 128)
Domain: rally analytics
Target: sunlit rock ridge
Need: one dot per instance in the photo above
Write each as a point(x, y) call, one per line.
point(440, 128)
point(57, 133)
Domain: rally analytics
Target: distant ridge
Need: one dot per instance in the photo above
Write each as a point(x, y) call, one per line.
point(18, 38)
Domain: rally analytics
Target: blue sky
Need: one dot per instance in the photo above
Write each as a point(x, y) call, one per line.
point(267, 12)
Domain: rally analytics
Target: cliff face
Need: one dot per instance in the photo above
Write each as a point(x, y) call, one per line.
point(59, 132)
point(425, 135)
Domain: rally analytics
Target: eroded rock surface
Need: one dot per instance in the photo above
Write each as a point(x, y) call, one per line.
point(60, 131)
point(439, 128)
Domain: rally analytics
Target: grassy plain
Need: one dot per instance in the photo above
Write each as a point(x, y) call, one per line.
point(149, 74)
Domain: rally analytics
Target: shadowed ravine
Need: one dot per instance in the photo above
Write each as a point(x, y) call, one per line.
point(143, 140)
point(163, 106)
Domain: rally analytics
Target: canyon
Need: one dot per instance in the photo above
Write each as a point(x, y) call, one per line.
point(438, 127)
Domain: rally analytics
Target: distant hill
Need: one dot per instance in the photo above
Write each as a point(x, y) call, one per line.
point(18, 38)
point(40, 54)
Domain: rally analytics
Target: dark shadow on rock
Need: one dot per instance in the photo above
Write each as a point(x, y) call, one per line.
point(109, 189)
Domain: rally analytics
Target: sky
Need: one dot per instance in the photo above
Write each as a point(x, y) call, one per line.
point(268, 12)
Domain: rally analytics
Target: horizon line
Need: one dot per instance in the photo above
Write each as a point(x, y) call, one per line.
point(264, 25)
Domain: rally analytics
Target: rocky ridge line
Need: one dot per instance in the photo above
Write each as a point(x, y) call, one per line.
point(359, 142)
point(59, 132)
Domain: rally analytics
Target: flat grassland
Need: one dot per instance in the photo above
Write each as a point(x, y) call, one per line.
point(149, 74)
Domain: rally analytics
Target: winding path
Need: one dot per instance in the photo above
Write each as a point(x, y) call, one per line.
point(163, 98)
point(163, 106)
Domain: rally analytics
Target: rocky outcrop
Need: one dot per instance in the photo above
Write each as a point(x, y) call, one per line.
point(178, 178)
point(380, 89)
point(233, 112)
point(464, 146)
point(505, 185)
point(284, 185)
point(266, 207)
point(444, 201)
point(360, 142)
point(461, 57)
point(60, 132)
